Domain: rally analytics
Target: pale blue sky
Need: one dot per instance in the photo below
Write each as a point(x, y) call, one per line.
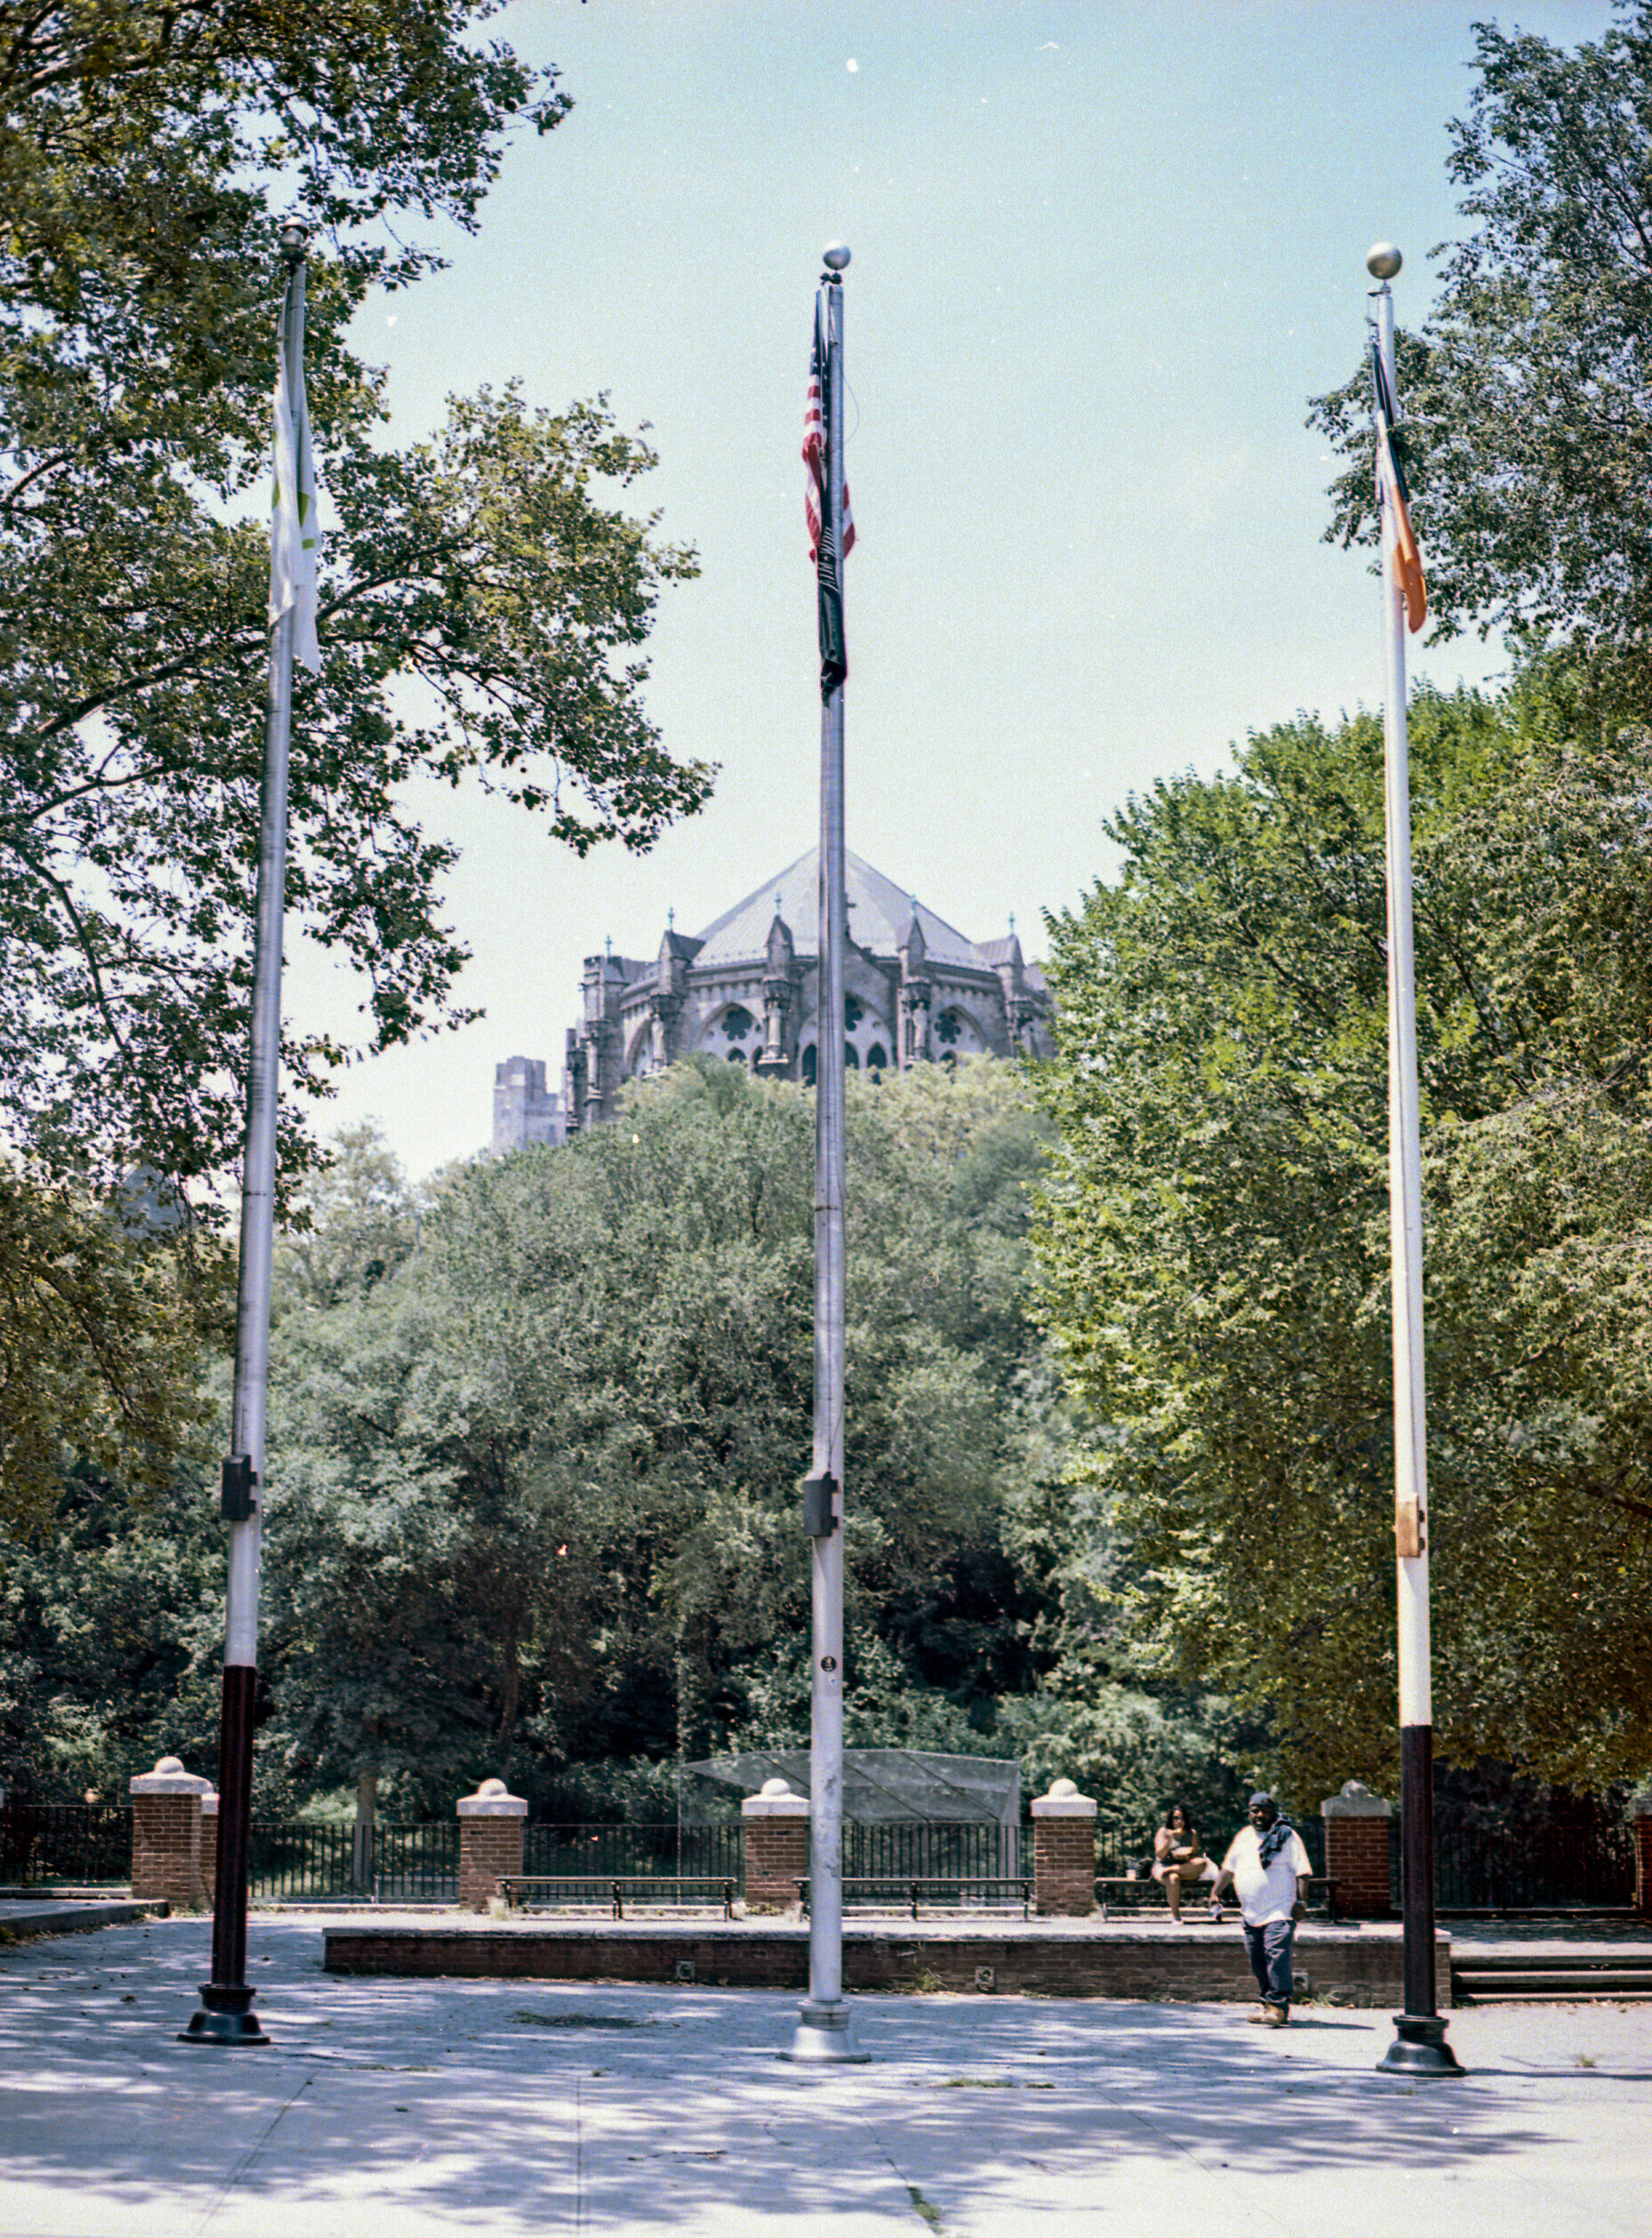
point(1103, 255)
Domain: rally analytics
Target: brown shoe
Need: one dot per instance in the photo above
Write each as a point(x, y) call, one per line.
point(1275, 2016)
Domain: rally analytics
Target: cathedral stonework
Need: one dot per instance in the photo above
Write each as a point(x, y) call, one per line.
point(745, 992)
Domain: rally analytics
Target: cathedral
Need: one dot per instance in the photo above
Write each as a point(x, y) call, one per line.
point(745, 992)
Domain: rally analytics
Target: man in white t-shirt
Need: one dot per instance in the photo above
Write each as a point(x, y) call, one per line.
point(1266, 1863)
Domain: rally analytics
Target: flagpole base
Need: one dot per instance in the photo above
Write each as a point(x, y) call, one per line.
point(1420, 2050)
point(224, 2019)
point(824, 2037)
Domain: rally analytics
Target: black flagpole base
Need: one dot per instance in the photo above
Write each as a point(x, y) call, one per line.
point(224, 2017)
point(1420, 2049)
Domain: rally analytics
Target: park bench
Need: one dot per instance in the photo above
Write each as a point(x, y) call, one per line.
point(908, 1892)
point(518, 1888)
point(1125, 1893)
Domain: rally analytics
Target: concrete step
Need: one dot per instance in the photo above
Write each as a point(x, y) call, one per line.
point(1506, 1977)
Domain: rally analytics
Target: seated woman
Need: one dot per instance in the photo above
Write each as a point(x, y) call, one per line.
point(1178, 1859)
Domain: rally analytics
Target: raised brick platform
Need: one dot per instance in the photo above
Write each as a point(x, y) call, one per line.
point(1356, 1964)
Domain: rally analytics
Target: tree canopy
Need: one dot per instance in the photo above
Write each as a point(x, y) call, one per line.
point(1528, 389)
point(535, 1499)
point(483, 600)
point(103, 1315)
point(1214, 1244)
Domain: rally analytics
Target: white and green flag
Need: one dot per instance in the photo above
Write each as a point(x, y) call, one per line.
point(295, 529)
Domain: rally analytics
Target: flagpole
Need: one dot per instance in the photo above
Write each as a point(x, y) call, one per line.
point(224, 2015)
point(1419, 2048)
point(823, 2032)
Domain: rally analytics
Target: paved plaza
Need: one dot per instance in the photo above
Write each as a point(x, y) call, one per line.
point(403, 2109)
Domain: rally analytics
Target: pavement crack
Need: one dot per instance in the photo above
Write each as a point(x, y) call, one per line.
point(254, 2149)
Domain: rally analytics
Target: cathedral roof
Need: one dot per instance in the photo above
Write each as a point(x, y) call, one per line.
point(879, 912)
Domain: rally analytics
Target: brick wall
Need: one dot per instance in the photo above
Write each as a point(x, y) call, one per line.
point(1356, 1858)
point(1207, 1968)
point(1064, 1867)
point(209, 1848)
point(167, 1850)
point(777, 1857)
point(1641, 1810)
point(487, 1847)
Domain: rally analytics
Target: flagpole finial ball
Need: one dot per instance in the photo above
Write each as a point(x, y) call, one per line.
point(1383, 259)
point(834, 256)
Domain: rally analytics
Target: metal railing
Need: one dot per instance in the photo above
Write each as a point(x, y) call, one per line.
point(82, 1843)
point(914, 1849)
point(1554, 1868)
point(603, 1853)
point(1479, 1868)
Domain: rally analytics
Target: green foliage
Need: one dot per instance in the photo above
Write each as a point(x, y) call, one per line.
point(1529, 391)
point(354, 1222)
point(534, 1499)
point(111, 1631)
point(1214, 1242)
point(101, 1323)
point(483, 598)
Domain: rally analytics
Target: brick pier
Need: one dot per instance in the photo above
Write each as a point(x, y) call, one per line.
point(490, 1842)
point(1064, 1853)
point(1356, 1850)
point(166, 1835)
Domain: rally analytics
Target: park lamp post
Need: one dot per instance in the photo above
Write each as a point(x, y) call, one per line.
point(224, 2015)
point(1419, 2048)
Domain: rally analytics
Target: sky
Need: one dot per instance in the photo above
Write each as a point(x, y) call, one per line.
point(1103, 254)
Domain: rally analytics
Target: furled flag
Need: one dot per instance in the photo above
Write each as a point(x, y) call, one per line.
point(295, 528)
point(818, 511)
point(1394, 501)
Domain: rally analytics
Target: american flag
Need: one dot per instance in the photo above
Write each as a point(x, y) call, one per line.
point(822, 550)
point(815, 453)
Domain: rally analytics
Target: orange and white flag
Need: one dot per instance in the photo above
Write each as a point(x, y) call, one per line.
point(1394, 501)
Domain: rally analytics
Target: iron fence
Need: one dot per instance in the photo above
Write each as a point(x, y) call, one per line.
point(1553, 1868)
point(914, 1849)
point(1479, 1868)
point(618, 1853)
point(84, 1843)
point(291, 1860)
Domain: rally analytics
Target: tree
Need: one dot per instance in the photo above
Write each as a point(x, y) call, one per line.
point(1214, 1244)
point(535, 1501)
point(111, 1637)
point(1528, 389)
point(102, 1321)
point(482, 606)
point(356, 1221)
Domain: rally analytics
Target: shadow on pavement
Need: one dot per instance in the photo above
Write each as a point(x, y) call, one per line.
point(468, 2099)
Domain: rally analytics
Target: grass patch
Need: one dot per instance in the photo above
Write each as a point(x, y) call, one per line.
point(576, 2020)
point(978, 2082)
point(926, 2207)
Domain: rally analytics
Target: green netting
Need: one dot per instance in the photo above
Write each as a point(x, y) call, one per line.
point(880, 1784)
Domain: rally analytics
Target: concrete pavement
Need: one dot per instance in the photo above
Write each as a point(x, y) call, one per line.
point(391, 2109)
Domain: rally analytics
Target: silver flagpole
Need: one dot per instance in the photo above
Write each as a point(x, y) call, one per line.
point(823, 2031)
point(224, 2015)
point(1419, 2046)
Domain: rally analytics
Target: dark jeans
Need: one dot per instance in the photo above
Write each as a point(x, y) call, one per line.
point(1270, 1949)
